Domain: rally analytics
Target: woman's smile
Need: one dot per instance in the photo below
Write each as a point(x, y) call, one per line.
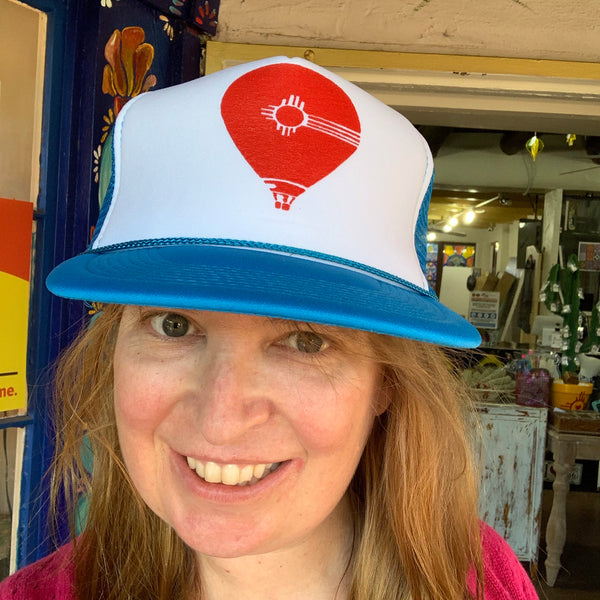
point(231, 474)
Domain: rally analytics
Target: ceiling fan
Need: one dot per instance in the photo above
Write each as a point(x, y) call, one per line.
point(593, 156)
point(592, 148)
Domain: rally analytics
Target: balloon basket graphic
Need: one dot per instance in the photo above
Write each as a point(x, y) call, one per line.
point(283, 202)
point(570, 396)
point(284, 192)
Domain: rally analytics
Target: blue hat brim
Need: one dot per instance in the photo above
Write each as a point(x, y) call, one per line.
point(242, 280)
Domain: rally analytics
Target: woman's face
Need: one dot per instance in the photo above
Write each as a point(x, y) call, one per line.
point(242, 432)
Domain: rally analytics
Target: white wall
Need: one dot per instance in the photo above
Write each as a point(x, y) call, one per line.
point(453, 290)
point(18, 67)
point(550, 29)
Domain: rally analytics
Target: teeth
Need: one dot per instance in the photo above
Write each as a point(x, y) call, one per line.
point(212, 473)
point(231, 474)
point(246, 473)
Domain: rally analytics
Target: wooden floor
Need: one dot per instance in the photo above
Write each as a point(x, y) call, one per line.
point(579, 577)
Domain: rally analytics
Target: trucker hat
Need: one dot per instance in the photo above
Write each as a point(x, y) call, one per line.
point(272, 188)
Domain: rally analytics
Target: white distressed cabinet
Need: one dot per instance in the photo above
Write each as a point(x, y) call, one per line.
point(512, 463)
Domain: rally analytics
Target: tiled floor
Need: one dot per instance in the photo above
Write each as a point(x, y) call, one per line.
point(579, 577)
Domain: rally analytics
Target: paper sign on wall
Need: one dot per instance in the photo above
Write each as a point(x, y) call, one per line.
point(484, 309)
point(16, 219)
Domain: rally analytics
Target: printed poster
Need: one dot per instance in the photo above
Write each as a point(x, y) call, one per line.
point(589, 256)
point(16, 218)
point(484, 309)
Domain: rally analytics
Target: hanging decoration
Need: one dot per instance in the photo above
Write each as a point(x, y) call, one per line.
point(534, 145)
point(571, 137)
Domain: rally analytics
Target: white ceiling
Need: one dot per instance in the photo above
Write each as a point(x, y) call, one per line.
point(474, 160)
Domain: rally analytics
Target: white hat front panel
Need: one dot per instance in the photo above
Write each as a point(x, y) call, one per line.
point(293, 171)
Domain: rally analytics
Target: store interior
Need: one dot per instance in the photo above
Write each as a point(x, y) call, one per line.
point(493, 179)
point(493, 175)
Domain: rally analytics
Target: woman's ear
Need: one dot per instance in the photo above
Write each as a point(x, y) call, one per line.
point(383, 395)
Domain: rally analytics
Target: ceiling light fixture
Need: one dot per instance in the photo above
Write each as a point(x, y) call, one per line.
point(469, 217)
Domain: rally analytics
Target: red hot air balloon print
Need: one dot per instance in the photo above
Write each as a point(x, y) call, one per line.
point(296, 130)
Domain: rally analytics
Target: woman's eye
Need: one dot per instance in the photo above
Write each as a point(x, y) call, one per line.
point(171, 324)
point(307, 342)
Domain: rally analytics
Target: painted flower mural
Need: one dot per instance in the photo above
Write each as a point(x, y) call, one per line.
point(126, 75)
point(129, 60)
point(206, 15)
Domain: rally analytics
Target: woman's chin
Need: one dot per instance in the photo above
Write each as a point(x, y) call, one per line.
point(226, 545)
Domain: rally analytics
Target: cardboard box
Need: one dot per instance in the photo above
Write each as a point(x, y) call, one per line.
point(490, 283)
point(504, 285)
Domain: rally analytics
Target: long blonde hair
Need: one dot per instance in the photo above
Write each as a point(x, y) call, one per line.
point(414, 492)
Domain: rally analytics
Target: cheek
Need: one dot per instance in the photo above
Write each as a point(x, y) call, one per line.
point(142, 396)
point(337, 418)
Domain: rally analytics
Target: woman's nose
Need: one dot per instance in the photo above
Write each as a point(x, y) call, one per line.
point(232, 397)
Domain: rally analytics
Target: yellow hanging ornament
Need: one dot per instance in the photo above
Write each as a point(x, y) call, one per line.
point(534, 145)
point(571, 137)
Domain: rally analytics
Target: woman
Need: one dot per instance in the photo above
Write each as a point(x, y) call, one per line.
point(268, 413)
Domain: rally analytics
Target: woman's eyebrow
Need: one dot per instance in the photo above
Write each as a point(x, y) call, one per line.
point(287, 323)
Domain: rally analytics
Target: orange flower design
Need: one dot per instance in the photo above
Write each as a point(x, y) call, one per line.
point(129, 60)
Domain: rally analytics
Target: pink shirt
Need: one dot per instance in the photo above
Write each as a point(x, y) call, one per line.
point(51, 578)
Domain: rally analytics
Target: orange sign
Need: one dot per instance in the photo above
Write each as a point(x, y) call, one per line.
point(16, 219)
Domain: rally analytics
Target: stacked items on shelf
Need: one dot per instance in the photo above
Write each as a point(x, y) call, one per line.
point(489, 381)
point(526, 380)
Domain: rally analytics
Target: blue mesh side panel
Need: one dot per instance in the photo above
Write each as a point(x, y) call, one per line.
point(421, 228)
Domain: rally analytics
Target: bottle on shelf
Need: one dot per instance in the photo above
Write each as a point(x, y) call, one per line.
point(533, 385)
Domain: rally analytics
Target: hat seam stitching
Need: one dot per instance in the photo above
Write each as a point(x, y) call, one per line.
point(147, 243)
